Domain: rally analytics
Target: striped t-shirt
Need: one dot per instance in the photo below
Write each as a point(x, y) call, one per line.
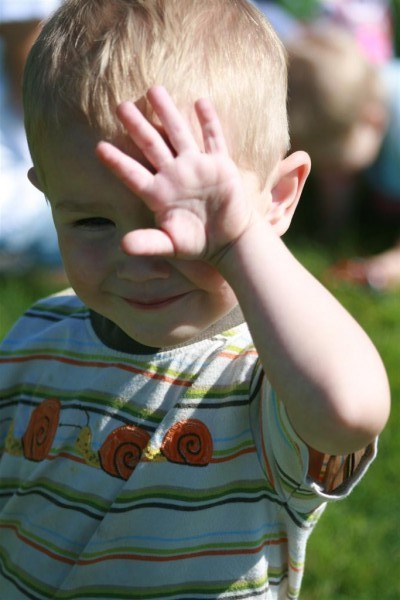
point(170, 475)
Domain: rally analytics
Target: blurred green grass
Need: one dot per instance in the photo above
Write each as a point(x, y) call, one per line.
point(354, 553)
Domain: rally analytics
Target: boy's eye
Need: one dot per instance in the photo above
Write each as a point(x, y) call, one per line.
point(94, 223)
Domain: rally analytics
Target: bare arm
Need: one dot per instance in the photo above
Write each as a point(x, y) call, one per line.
point(318, 359)
point(321, 363)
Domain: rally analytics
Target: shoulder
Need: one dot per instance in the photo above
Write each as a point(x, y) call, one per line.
point(58, 306)
point(60, 309)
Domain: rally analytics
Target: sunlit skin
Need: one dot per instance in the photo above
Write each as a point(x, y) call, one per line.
point(165, 239)
point(158, 301)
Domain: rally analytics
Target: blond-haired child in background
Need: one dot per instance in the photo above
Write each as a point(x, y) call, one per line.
point(344, 109)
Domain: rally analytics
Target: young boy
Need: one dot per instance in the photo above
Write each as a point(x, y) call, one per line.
point(174, 427)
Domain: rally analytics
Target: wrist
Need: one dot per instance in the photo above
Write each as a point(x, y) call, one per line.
point(255, 243)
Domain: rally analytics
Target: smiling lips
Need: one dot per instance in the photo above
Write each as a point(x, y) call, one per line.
point(156, 303)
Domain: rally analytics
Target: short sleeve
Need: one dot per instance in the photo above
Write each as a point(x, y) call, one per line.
point(301, 477)
point(335, 476)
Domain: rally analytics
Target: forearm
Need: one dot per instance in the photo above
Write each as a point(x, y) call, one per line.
point(318, 359)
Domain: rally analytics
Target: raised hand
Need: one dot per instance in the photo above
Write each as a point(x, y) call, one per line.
point(197, 195)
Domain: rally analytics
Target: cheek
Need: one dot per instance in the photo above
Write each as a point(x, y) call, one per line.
point(84, 263)
point(204, 276)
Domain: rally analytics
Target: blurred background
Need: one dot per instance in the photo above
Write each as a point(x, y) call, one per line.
point(344, 108)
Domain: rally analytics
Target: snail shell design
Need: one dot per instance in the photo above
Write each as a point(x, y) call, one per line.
point(39, 435)
point(122, 450)
point(188, 442)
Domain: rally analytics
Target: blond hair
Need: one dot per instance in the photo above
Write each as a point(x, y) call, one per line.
point(93, 54)
point(330, 84)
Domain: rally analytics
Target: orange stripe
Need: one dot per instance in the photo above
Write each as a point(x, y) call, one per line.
point(36, 546)
point(68, 456)
point(296, 569)
point(141, 557)
point(232, 456)
point(233, 355)
point(102, 365)
point(222, 552)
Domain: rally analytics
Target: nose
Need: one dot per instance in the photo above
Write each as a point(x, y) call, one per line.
point(142, 268)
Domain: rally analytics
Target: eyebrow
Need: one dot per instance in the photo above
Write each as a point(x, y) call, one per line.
point(73, 206)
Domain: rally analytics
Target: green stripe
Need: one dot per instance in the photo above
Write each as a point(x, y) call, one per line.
point(234, 449)
point(63, 308)
point(238, 546)
point(184, 496)
point(24, 579)
point(57, 490)
point(91, 397)
point(116, 592)
point(218, 391)
point(190, 495)
point(195, 589)
point(141, 365)
point(43, 542)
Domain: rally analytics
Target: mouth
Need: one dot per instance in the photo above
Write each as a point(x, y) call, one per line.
point(156, 303)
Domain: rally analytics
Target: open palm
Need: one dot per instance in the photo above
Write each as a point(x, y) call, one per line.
point(197, 196)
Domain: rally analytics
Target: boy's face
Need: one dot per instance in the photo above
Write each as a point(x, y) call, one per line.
point(156, 301)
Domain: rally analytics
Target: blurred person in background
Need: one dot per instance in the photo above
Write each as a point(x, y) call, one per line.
point(344, 108)
point(370, 21)
point(28, 238)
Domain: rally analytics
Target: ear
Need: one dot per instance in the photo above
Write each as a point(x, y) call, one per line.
point(33, 178)
point(292, 174)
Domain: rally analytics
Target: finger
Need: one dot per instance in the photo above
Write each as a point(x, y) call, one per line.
point(134, 175)
point(148, 242)
point(176, 127)
point(182, 236)
point(213, 135)
point(144, 135)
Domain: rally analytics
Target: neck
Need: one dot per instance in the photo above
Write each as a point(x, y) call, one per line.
point(113, 337)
